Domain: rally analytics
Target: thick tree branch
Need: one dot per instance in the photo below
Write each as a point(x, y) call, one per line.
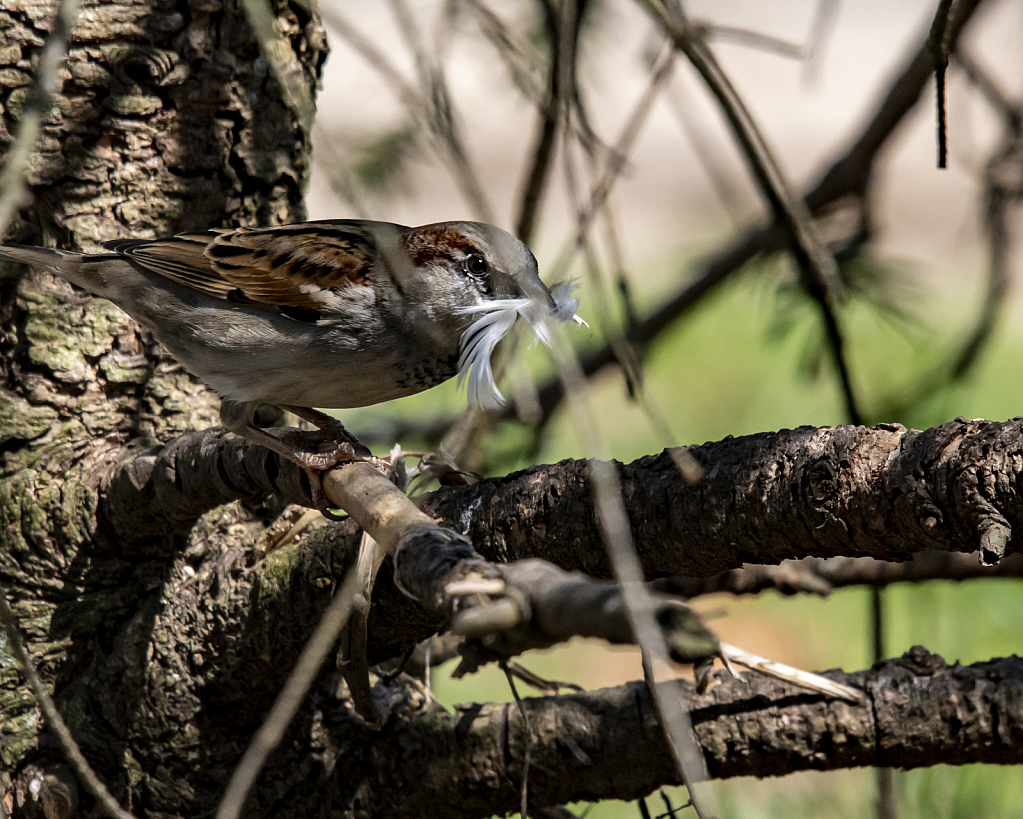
point(883, 492)
point(606, 744)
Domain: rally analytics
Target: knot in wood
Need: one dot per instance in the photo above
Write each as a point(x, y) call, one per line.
point(141, 65)
point(821, 483)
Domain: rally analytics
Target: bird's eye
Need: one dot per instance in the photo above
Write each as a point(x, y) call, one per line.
point(476, 265)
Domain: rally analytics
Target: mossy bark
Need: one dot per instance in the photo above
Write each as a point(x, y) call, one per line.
point(166, 119)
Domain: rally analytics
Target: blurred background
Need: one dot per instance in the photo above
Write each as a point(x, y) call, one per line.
point(516, 112)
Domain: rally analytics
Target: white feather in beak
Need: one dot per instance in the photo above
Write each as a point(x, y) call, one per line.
point(498, 317)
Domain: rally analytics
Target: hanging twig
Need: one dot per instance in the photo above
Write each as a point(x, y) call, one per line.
point(938, 45)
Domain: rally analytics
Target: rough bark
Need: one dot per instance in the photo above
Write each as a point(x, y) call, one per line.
point(606, 743)
point(884, 492)
point(165, 637)
point(166, 120)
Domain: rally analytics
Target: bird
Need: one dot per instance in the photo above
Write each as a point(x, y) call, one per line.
point(331, 314)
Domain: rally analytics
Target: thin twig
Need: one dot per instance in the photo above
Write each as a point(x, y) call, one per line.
point(443, 119)
point(353, 659)
point(53, 719)
point(938, 43)
point(522, 59)
point(990, 90)
point(819, 271)
point(524, 63)
point(707, 148)
point(524, 799)
point(796, 676)
point(887, 807)
point(804, 679)
point(552, 110)
point(752, 39)
point(288, 701)
point(438, 119)
point(616, 161)
point(790, 210)
point(639, 605)
point(13, 190)
point(820, 31)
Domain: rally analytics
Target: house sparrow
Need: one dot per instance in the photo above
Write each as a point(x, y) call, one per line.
point(336, 313)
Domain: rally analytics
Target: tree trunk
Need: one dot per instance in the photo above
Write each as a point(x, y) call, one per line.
point(167, 119)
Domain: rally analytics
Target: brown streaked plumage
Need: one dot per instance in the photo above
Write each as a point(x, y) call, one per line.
point(337, 313)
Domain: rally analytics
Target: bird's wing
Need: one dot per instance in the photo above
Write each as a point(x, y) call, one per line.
point(301, 265)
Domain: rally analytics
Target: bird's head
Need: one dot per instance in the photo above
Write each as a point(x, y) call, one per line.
point(485, 279)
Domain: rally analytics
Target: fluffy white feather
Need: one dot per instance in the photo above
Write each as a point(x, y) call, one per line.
point(496, 320)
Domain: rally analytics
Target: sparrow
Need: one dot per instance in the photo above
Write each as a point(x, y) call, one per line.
point(332, 314)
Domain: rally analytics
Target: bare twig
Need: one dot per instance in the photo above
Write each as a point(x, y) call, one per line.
point(820, 31)
point(1006, 108)
point(352, 658)
point(433, 112)
point(288, 701)
point(67, 742)
point(887, 808)
point(37, 106)
point(617, 535)
point(616, 161)
point(791, 211)
point(443, 119)
point(938, 45)
point(796, 676)
point(552, 110)
point(753, 39)
point(819, 576)
point(819, 271)
point(523, 60)
point(524, 804)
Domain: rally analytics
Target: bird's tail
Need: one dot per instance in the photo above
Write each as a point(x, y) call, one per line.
point(87, 270)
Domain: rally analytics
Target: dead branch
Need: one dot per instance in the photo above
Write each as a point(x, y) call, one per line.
point(817, 575)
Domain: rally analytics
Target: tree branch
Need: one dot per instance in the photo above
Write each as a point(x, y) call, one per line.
point(817, 575)
point(605, 744)
point(885, 492)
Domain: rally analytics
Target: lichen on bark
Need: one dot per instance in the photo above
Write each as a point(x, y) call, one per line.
point(166, 119)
